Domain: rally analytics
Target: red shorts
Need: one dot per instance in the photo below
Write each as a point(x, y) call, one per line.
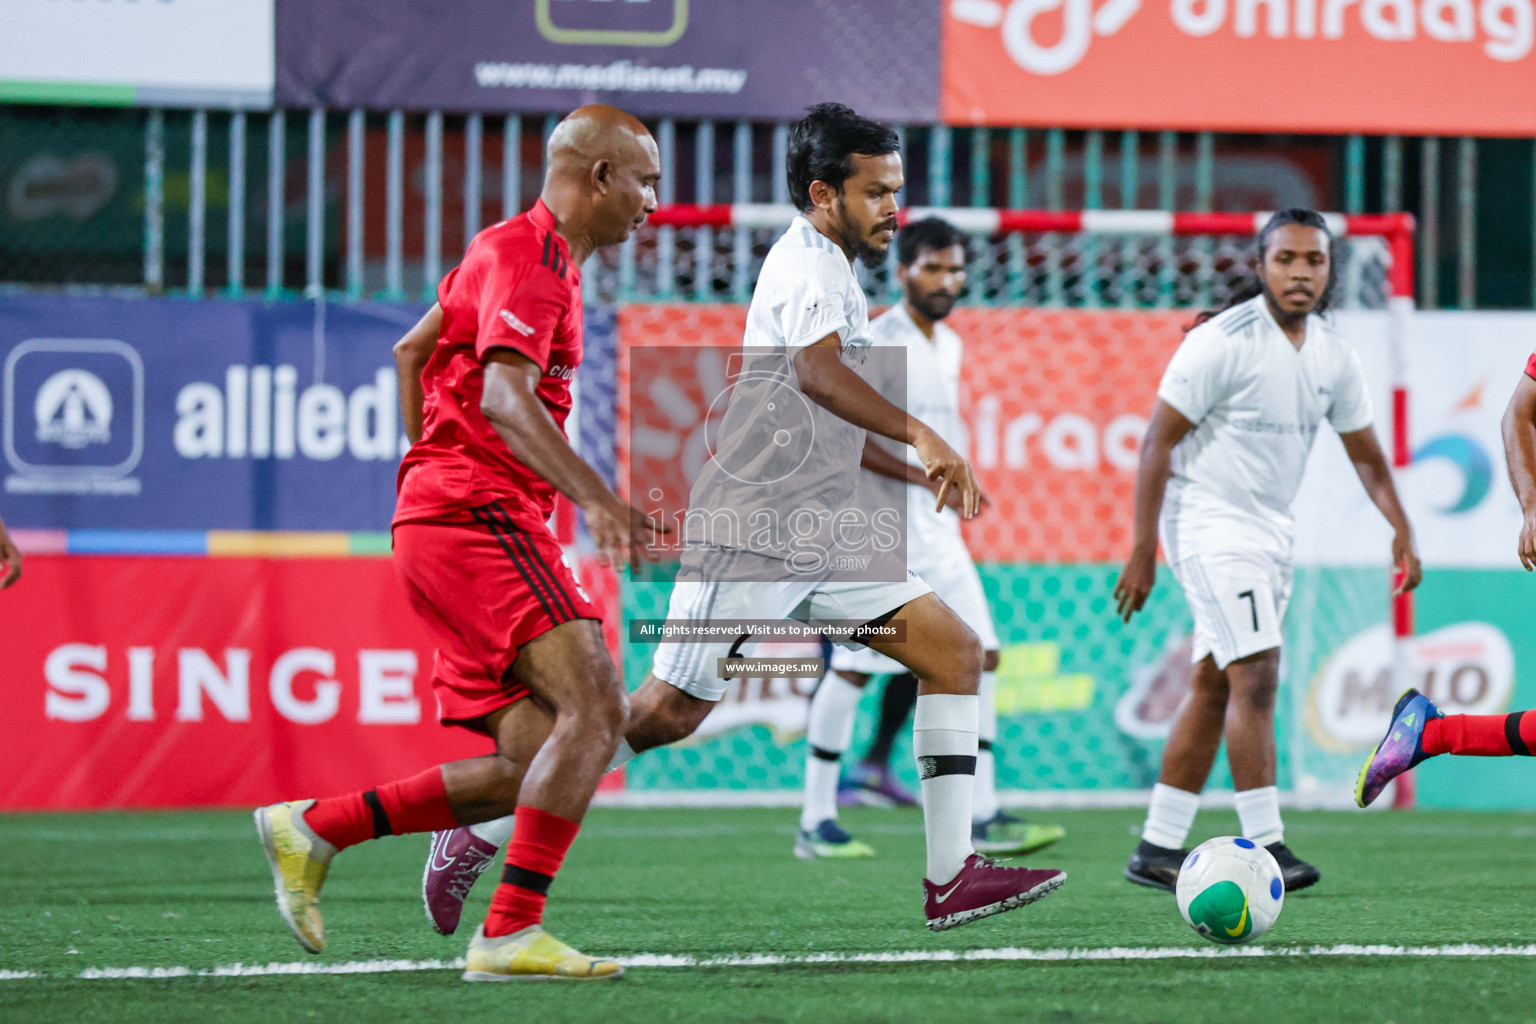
point(485, 587)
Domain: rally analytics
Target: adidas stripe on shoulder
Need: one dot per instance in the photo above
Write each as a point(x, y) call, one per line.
point(816, 240)
point(1236, 320)
point(553, 258)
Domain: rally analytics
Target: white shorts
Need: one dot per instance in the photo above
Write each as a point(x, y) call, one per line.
point(1238, 600)
point(691, 667)
point(953, 577)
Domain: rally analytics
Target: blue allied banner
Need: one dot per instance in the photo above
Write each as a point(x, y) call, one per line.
point(676, 58)
point(161, 414)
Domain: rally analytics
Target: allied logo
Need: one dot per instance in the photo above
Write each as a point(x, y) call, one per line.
point(74, 416)
point(74, 409)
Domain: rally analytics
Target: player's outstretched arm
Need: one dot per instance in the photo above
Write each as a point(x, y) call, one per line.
point(1370, 464)
point(10, 558)
point(511, 403)
point(829, 383)
point(1167, 429)
point(1520, 455)
point(877, 459)
point(411, 355)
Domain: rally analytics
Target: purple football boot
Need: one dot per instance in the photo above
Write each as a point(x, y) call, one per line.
point(874, 786)
point(1400, 749)
point(983, 888)
point(455, 859)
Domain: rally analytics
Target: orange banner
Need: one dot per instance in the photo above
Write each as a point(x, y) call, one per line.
point(1056, 402)
point(1424, 67)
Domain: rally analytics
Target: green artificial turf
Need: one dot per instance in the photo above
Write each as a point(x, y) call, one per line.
point(193, 890)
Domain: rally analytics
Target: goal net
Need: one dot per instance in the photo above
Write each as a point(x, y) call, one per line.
point(1068, 321)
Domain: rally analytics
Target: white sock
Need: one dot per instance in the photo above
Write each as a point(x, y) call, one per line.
point(828, 731)
point(984, 794)
point(944, 741)
point(499, 831)
point(494, 832)
point(1170, 816)
point(622, 756)
point(820, 781)
point(1259, 812)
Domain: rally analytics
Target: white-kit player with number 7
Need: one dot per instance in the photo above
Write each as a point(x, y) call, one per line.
point(1237, 411)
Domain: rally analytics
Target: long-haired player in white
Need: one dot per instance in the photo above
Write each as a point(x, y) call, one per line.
point(788, 452)
point(1237, 410)
point(930, 260)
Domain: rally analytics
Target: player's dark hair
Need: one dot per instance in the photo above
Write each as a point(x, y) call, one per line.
point(929, 234)
point(1254, 286)
point(823, 143)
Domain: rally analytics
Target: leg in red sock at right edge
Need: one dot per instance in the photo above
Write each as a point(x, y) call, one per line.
point(1420, 730)
point(1513, 734)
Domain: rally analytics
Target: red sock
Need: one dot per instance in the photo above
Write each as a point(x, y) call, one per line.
point(1482, 735)
point(539, 843)
point(416, 804)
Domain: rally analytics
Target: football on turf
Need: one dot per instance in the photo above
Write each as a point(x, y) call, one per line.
point(1230, 890)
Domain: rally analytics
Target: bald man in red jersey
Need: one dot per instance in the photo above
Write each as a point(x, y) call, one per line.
point(485, 389)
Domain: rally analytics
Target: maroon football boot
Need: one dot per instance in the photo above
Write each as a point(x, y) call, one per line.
point(983, 888)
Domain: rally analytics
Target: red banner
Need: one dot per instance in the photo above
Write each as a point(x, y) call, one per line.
point(1419, 67)
point(166, 682)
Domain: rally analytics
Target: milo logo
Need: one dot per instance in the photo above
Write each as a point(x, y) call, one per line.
point(1467, 668)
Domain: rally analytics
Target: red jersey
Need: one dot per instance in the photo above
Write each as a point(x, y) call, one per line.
point(1530, 366)
point(516, 289)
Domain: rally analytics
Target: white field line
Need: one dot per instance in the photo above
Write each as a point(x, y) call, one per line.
point(916, 956)
point(1408, 825)
point(1067, 799)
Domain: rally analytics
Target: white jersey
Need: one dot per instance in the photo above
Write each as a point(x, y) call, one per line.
point(931, 391)
point(1257, 402)
point(778, 454)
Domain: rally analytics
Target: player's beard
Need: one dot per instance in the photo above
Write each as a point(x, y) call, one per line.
point(934, 306)
point(857, 240)
point(1295, 316)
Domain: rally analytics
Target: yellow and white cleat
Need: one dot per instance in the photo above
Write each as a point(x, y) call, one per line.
point(532, 955)
point(300, 860)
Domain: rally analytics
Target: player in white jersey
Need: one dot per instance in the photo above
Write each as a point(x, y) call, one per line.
point(931, 256)
point(1237, 411)
point(769, 515)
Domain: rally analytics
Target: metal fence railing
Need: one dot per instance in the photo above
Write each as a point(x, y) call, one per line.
point(1092, 259)
point(367, 204)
